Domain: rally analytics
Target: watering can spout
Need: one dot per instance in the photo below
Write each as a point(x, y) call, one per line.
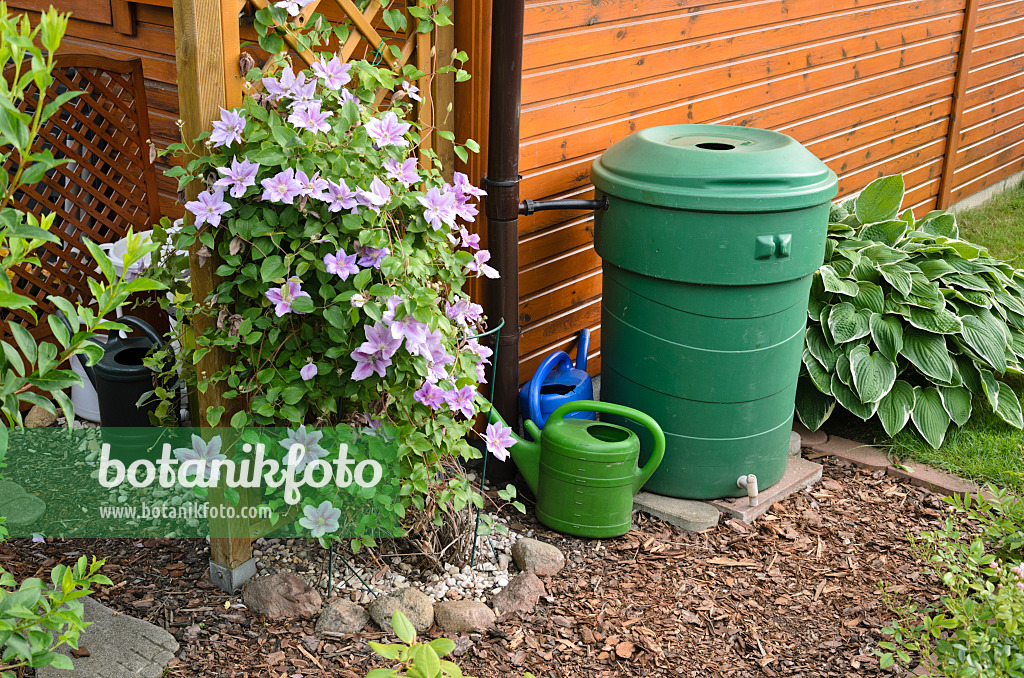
point(525, 454)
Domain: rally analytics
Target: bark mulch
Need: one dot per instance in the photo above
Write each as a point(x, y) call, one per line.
point(796, 594)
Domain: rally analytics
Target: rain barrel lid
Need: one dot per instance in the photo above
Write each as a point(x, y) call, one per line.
point(715, 168)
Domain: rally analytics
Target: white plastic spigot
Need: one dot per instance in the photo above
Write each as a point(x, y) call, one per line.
point(749, 483)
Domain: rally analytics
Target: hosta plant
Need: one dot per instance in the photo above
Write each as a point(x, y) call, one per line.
point(908, 322)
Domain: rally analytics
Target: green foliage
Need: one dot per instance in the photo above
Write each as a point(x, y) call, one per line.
point(28, 368)
point(908, 322)
point(37, 617)
point(975, 630)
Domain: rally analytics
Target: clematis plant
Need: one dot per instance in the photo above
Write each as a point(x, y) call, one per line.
point(344, 253)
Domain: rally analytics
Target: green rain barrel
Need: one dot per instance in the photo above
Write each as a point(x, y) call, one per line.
point(709, 243)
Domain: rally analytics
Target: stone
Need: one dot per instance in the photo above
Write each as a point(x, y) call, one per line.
point(342, 616)
point(800, 473)
point(794, 444)
point(37, 417)
point(535, 556)
point(463, 616)
point(281, 596)
point(686, 514)
point(119, 646)
point(521, 595)
point(414, 604)
point(933, 479)
point(858, 454)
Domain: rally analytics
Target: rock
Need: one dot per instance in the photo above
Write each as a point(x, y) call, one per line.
point(415, 605)
point(521, 594)
point(794, 444)
point(281, 596)
point(342, 616)
point(312, 643)
point(538, 557)
point(20, 508)
point(37, 417)
point(463, 616)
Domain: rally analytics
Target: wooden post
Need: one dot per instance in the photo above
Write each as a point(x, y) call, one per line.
point(207, 49)
point(443, 96)
point(425, 111)
point(963, 67)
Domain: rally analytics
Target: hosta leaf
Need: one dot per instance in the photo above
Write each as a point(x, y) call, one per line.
point(969, 281)
point(818, 374)
point(965, 249)
point(991, 388)
point(1009, 407)
point(943, 224)
point(957, 402)
point(928, 353)
point(843, 369)
point(880, 200)
point(887, 333)
point(865, 271)
point(1017, 343)
point(883, 255)
point(930, 417)
point(979, 299)
point(895, 407)
point(814, 307)
point(848, 399)
point(873, 374)
point(842, 266)
point(833, 283)
point(935, 268)
point(870, 297)
point(969, 373)
point(936, 322)
point(1009, 301)
point(819, 348)
point(812, 406)
point(846, 323)
point(888, 232)
point(897, 277)
point(985, 338)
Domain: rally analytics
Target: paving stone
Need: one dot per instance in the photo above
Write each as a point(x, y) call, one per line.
point(808, 437)
point(800, 473)
point(934, 479)
point(119, 647)
point(858, 454)
point(686, 514)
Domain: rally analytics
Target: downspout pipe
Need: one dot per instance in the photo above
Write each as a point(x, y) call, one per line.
point(502, 205)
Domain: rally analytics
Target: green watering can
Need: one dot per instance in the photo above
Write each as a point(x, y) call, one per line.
point(584, 473)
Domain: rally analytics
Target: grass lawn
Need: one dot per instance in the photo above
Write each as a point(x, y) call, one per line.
point(986, 449)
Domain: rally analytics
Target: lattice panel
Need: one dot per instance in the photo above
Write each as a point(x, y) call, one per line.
point(108, 185)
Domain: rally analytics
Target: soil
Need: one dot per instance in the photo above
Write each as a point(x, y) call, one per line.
point(796, 594)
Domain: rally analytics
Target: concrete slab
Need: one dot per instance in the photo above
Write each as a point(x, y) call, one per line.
point(808, 437)
point(687, 514)
point(800, 473)
point(119, 647)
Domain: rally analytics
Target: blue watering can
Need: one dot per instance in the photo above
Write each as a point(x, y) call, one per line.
point(556, 382)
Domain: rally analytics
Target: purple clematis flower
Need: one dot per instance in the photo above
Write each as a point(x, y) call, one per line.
point(370, 256)
point(388, 131)
point(202, 454)
point(283, 297)
point(376, 197)
point(334, 73)
point(439, 208)
point(229, 129)
point(431, 395)
point(282, 187)
point(208, 207)
point(238, 177)
point(310, 117)
point(479, 264)
point(340, 197)
point(310, 442)
point(294, 7)
point(461, 400)
point(464, 189)
point(438, 366)
point(463, 311)
point(312, 186)
point(470, 240)
point(341, 264)
point(369, 363)
point(308, 371)
point(404, 173)
point(302, 93)
point(388, 316)
point(320, 520)
point(380, 341)
point(415, 335)
point(466, 211)
point(498, 438)
point(410, 90)
point(278, 88)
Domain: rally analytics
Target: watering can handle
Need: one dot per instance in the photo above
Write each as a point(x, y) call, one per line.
point(533, 403)
point(642, 474)
point(583, 349)
point(142, 325)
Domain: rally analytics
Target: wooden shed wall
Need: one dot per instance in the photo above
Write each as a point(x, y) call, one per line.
point(867, 85)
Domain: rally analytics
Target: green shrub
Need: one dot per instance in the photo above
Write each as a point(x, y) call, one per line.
point(975, 630)
point(908, 322)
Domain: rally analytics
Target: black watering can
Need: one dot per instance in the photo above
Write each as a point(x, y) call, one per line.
point(120, 378)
